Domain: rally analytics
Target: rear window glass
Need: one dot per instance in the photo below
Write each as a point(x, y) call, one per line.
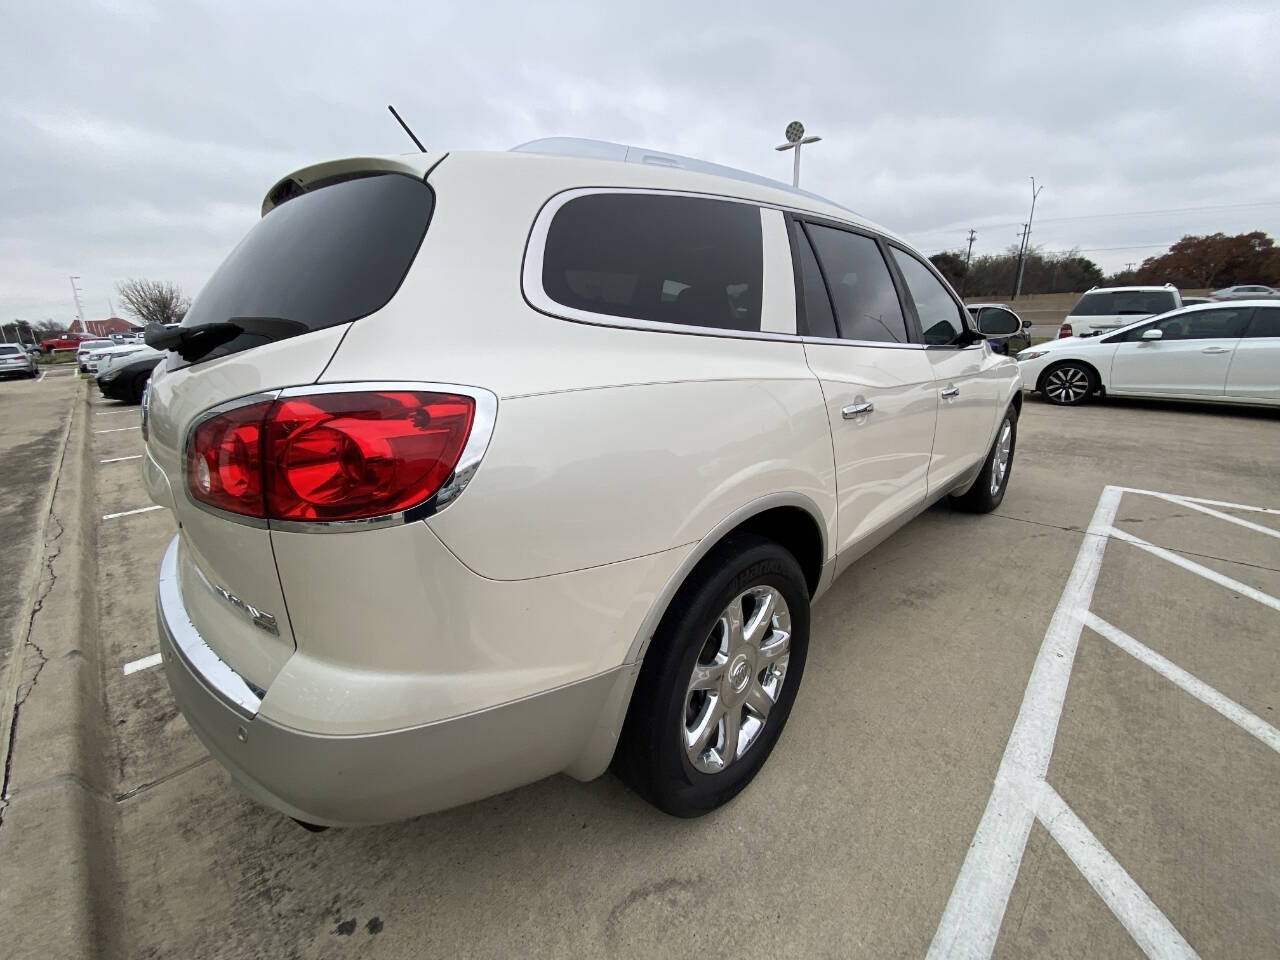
point(682, 260)
point(1141, 303)
point(325, 257)
point(4, 349)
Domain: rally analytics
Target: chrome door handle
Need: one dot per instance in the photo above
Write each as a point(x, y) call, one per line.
point(857, 410)
point(951, 392)
point(1214, 350)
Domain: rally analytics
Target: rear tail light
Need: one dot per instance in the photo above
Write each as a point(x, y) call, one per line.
point(1064, 331)
point(329, 456)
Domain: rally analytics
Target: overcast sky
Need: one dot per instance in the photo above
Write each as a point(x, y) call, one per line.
point(137, 138)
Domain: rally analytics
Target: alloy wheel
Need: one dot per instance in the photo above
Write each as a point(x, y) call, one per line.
point(1067, 385)
point(736, 679)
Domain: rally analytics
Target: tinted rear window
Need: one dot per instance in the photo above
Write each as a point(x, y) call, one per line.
point(4, 349)
point(325, 257)
point(683, 260)
point(1141, 303)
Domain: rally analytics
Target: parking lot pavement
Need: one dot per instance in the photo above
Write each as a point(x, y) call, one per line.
point(854, 839)
point(34, 418)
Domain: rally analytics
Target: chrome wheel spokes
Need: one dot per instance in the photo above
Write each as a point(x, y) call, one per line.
point(736, 679)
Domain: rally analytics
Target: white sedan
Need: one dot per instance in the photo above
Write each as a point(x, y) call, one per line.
point(1227, 352)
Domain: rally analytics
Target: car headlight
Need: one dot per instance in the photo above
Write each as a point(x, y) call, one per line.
point(1032, 354)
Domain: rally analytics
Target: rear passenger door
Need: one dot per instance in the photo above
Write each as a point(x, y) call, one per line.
point(964, 377)
point(1255, 367)
point(877, 384)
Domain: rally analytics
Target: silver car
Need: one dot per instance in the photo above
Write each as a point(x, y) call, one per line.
point(16, 362)
point(1246, 292)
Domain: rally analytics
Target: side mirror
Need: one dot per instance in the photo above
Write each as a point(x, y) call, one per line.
point(998, 324)
point(1153, 334)
point(1026, 326)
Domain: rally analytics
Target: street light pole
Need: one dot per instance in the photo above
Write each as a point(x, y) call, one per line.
point(795, 140)
point(1026, 237)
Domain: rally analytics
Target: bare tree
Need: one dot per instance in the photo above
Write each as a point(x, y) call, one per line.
point(153, 301)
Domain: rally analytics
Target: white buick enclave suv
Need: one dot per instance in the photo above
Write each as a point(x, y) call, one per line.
point(489, 466)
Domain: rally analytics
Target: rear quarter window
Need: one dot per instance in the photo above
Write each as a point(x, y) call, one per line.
point(687, 261)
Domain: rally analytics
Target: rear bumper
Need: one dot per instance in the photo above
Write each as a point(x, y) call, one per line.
point(379, 777)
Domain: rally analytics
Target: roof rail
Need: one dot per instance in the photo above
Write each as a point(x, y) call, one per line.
point(623, 153)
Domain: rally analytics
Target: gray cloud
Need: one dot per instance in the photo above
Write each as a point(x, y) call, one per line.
point(138, 138)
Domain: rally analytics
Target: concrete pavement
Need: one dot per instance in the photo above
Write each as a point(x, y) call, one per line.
point(851, 840)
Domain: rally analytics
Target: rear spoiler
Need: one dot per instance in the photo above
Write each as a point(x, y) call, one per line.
point(416, 165)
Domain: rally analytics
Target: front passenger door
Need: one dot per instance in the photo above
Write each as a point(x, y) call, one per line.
point(967, 387)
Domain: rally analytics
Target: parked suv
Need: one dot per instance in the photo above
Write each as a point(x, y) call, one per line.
point(16, 361)
point(635, 420)
point(1104, 309)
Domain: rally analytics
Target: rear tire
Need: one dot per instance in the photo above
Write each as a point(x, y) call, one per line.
point(988, 490)
point(691, 742)
point(1069, 384)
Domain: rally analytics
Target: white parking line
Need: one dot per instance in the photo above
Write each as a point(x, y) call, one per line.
point(1210, 697)
point(1178, 560)
point(971, 921)
point(129, 513)
point(118, 429)
point(107, 413)
point(1238, 521)
point(136, 456)
point(1213, 503)
point(1150, 928)
point(146, 663)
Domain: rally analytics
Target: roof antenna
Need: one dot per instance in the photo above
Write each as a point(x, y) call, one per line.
point(400, 121)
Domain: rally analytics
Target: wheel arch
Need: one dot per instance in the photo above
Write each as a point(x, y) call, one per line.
point(1044, 374)
point(790, 519)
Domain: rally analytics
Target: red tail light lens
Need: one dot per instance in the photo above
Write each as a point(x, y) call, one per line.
point(1064, 331)
point(224, 460)
point(333, 456)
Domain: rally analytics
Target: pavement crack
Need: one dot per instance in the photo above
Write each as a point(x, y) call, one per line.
point(151, 784)
point(26, 688)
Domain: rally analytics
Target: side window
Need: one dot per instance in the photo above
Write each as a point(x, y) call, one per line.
point(816, 318)
point(684, 260)
point(940, 319)
point(862, 292)
point(1199, 325)
point(995, 316)
point(1266, 322)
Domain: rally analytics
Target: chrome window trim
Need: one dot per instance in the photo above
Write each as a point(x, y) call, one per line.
point(482, 426)
point(537, 297)
point(214, 672)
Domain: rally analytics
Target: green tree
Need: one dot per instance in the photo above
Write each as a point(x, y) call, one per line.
point(1215, 261)
point(951, 265)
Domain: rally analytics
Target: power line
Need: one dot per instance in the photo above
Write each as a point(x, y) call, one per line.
point(1102, 216)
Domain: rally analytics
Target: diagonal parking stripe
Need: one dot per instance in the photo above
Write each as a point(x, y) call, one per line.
point(1206, 694)
point(1220, 579)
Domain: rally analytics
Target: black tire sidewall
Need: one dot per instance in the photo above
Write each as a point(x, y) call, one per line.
point(678, 787)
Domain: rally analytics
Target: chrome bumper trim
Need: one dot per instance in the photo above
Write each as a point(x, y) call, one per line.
point(199, 657)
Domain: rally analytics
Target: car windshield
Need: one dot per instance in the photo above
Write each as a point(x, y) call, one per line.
point(94, 344)
point(1106, 303)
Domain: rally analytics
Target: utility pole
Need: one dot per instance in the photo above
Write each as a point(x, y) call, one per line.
point(795, 140)
point(968, 255)
point(1128, 267)
point(75, 294)
point(1017, 266)
point(1026, 237)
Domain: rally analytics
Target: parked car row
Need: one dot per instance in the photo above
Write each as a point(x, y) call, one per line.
point(125, 375)
point(1222, 351)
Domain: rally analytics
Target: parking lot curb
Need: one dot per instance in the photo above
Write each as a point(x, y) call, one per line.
point(57, 872)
